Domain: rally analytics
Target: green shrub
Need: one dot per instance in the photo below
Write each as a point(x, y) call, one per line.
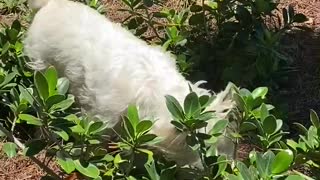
point(226, 40)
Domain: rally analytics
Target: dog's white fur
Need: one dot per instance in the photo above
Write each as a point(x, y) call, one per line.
point(110, 68)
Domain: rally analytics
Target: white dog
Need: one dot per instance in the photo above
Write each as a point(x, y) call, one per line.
point(109, 68)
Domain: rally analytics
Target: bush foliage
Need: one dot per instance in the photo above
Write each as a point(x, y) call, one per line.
point(239, 39)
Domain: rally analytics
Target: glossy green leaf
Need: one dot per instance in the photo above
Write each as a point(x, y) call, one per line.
point(41, 85)
point(282, 161)
point(90, 170)
point(63, 134)
point(133, 115)
point(10, 149)
point(301, 128)
point(174, 107)
point(294, 177)
point(63, 105)
point(219, 126)
point(143, 127)
point(300, 18)
point(52, 79)
point(269, 125)
point(195, 8)
point(55, 99)
point(30, 119)
point(240, 102)
point(244, 171)
point(222, 165)
point(65, 162)
point(96, 127)
point(260, 92)
point(63, 86)
point(192, 105)
point(264, 163)
point(26, 94)
point(314, 119)
point(33, 147)
point(263, 112)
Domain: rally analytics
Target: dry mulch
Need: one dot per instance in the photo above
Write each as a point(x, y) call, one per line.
point(303, 92)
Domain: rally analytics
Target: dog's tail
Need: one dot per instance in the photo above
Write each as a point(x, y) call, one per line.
point(37, 4)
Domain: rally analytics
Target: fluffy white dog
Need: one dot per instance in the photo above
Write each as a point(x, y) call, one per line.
point(109, 68)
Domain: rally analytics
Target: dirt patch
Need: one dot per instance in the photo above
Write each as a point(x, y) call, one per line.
point(22, 168)
point(302, 92)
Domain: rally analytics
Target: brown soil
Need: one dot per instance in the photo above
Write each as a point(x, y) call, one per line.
point(302, 94)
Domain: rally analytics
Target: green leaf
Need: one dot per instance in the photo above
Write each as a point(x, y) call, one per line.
point(264, 163)
point(294, 177)
point(262, 6)
point(63, 85)
point(300, 18)
point(10, 149)
point(96, 127)
point(78, 129)
point(174, 107)
point(219, 126)
point(195, 8)
point(41, 85)
point(2, 77)
point(63, 134)
point(301, 128)
point(143, 127)
point(148, 3)
point(240, 102)
point(206, 116)
point(282, 161)
point(222, 165)
point(90, 171)
point(152, 171)
point(192, 105)
point(205, 100)
point(55, 99)
point(108, 158)
point(26, 94)
point(196, 19)
point(118, 160)
point(146, 138)
point(234, 177)
point(63, 105)
point(65, 162)
point(285, 16)
point(247, 126)
point(291, 12)
point(8, 78)
point(314, 119)
point(129, 128)
point(270, 125)
point(149, 153)
point(133, 115)
point(30, 119)
point(243, 16)
point(212, 5)
point(52, 79)
point(33, 147)
point(260, 92)
point(244, 171)
point(263, 112)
